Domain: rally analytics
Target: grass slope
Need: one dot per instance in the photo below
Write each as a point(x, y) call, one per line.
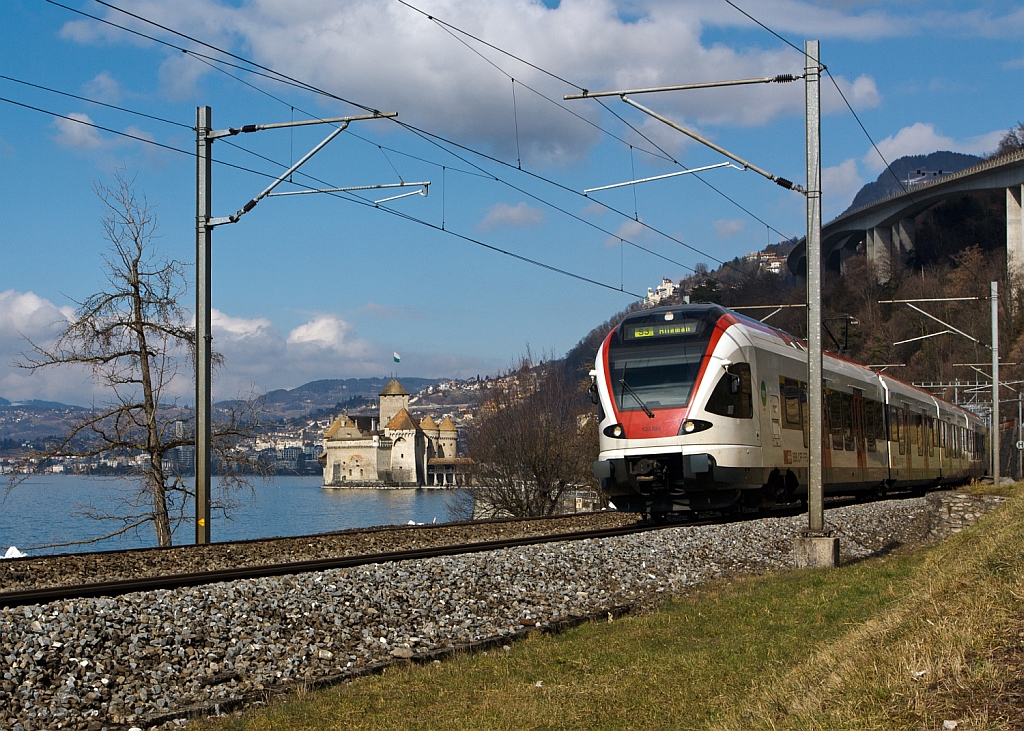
point(901, 642)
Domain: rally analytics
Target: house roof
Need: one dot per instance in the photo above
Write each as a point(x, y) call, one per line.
point(447, 424)
point(402, 421)
point(343, 428)
point(394, 388)
point(428, 423)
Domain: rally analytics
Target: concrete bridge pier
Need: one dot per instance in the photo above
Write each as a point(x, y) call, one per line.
point(1014, 230)
point(878, 247)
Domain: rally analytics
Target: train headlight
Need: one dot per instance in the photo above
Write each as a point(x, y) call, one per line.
point(615, 431)
point(692, 426)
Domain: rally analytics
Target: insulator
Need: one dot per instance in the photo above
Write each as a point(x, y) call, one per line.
point(788, 184)
point(784, 78)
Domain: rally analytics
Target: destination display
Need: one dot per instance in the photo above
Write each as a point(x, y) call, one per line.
point(662, 330)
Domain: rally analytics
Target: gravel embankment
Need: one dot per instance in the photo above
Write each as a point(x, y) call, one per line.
point(142, 659)
point(74, 569)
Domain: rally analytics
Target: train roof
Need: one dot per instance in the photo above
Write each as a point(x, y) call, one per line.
point(712, 313)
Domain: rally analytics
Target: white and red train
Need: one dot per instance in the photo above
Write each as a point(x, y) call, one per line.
point(702, 408)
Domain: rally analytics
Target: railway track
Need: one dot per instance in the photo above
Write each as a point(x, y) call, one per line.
point(176, 581)
point(179, 580)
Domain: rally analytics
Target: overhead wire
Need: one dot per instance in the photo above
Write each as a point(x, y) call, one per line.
point(282, 78)
point(350, 198)
point(665, 155)
point(834, 83)
point(95, 101)
point(279, 77)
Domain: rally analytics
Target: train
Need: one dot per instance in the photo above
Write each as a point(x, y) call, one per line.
point(701, 408)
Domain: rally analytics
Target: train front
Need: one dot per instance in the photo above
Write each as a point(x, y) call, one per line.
point(677, 427)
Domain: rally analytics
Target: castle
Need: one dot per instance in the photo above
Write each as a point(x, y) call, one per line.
point(392, 450)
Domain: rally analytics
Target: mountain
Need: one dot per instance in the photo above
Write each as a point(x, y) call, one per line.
point(325, 394)
point(886, 184)
point(38, 405)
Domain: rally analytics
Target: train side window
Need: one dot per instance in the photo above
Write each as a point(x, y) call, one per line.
point(790, 388)
point(835, 417)
point(919, 435)
point(848, 422)
point(805, 413)
point(869, 423)
point(894, 425)
point(733, 394)
point(932, 437)
point(901, 426)
point(880, 433)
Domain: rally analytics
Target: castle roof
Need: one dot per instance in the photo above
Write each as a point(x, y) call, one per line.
point(343, 428)
point(447, 424)
point(428, 423)
point(394, 388)
point(402, 421)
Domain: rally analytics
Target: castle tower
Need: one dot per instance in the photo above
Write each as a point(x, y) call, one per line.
point(448, 439)
point(406, 445)
point(393, 399)
point(431, 434)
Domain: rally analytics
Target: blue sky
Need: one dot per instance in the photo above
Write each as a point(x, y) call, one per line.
point(316, 286)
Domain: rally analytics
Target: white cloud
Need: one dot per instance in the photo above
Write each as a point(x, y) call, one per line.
point(628, 230)
point(390, 57)
point(502, 215)
point(26, 313)
point(78, 135)
point(238, 328)
point(922, 138)
point(839, 184)
point(103, 87)
point(729, 228)
point(327, 332)
point(26, 316)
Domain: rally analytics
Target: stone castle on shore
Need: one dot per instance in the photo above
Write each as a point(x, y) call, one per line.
point(392, 449)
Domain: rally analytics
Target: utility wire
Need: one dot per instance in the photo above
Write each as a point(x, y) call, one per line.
point(834, 83)
point(452, 30)
point(94, 101)
point(351, 198)
point(283, 78)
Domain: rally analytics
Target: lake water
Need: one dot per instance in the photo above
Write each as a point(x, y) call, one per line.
point(46, 510)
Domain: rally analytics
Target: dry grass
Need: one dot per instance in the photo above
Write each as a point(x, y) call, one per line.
point(947, 650)
point(902, 642)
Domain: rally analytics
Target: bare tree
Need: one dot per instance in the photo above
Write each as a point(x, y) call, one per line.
point(537, 439)
point(135, 340)
point(1012, 141)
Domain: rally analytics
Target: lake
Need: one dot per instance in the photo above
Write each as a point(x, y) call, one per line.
point(46, 510)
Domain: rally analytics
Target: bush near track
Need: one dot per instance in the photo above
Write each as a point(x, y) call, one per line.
point(910, 640)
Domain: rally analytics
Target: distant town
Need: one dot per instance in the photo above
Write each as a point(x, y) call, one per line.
point(289, 443)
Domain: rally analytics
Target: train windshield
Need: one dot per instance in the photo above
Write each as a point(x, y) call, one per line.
point(654, 357)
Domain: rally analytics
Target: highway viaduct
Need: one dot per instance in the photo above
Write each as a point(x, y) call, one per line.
point(886, 227)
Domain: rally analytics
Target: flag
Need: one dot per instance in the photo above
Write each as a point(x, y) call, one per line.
point(398, 359)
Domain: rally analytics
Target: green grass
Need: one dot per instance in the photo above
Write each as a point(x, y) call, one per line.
point(814, 649)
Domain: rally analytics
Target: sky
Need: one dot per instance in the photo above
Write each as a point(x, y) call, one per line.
point(505, 253)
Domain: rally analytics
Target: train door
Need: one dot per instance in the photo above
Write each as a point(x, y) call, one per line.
point(859, 436)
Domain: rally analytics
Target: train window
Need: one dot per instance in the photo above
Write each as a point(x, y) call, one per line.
point(919, 435)
point(930, 427)
point(733, 394)
point(869, 424)
point(880, 433)
point(848, 422)
point(894, 425)
point(835, 417)
point(790, 388)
